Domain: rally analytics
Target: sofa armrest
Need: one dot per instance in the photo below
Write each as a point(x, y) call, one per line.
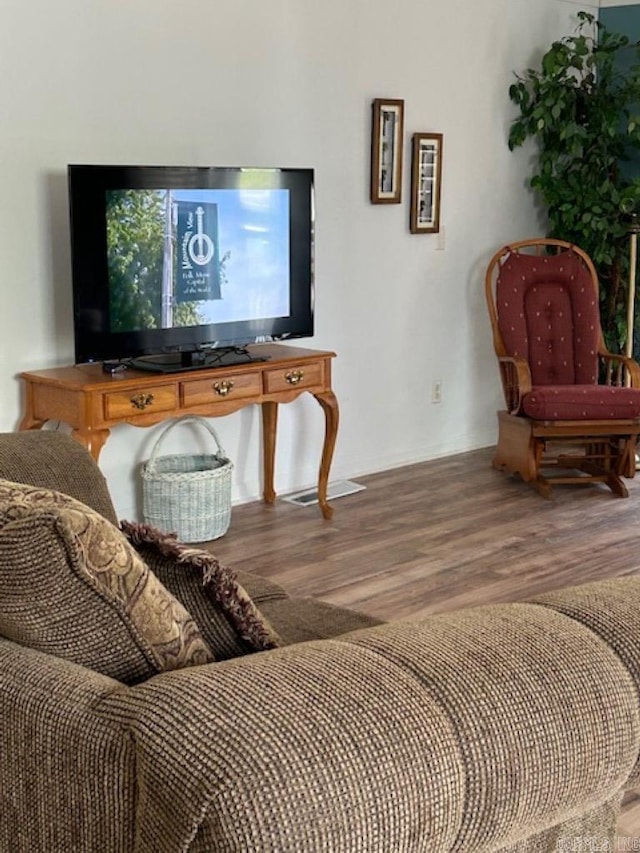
point(67, 772)
point(466, 731)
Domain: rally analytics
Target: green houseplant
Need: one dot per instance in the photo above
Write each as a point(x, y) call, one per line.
point(578, 106)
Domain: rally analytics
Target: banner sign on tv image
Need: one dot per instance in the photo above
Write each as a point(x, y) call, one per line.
point(198, 264)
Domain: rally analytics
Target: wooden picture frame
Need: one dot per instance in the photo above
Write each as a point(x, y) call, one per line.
point(387, 140)
point(426, 182)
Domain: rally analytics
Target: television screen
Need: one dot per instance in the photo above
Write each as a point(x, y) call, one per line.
point(170, 260)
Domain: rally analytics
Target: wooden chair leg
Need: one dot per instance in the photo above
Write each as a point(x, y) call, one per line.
point(617, 486)
point(543, 487)
point(520, 452)
point(626, 462)
point(517, 449)
point(607, 476)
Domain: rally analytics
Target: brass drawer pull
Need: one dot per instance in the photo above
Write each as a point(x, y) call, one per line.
point(141, 401)
point(223, 388)
point(293, 377)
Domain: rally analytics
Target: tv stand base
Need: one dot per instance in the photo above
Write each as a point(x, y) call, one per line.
point(93, 402)
point(176, 362)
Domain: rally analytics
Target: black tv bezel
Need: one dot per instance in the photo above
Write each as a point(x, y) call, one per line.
point(93, 339)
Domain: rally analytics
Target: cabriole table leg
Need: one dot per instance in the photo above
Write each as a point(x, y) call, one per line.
point(329, 403)
point(269, 424)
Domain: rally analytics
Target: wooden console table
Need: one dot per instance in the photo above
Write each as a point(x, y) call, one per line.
point(92, 402)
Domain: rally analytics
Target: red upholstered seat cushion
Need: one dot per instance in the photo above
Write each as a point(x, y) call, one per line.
point(581, 402)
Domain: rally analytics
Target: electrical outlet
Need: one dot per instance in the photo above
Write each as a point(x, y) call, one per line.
point(436, 391)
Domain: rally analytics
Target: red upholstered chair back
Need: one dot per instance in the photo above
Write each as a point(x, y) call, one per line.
point(547, 307)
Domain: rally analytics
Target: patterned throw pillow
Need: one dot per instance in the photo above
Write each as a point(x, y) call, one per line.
point(229, 619)
point(71, 585)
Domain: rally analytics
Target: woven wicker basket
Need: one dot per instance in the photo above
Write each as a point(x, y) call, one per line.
point(188, 494)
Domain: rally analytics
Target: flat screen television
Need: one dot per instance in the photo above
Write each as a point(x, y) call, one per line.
point(182, 267)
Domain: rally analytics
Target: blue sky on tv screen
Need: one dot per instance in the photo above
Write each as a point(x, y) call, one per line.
point(253, 236)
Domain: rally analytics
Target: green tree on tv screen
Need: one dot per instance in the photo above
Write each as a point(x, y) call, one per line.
point(135, 241)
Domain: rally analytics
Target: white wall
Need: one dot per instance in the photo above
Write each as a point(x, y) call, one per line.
point(289, 82)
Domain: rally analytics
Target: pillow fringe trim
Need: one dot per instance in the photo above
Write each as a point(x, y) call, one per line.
point(218, 581)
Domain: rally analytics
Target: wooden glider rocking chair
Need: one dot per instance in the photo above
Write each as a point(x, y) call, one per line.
point(571, 405)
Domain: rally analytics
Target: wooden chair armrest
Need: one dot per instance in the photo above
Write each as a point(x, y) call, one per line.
point(624, 366)
point(516, 381)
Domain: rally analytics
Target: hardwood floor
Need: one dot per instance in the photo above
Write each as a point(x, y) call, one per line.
point(440, 535)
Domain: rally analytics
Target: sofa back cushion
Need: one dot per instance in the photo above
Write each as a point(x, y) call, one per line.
point(71, 585)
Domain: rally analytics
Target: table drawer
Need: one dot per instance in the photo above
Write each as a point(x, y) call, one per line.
point(290, 378)
point(198, 392)
point(124, 404)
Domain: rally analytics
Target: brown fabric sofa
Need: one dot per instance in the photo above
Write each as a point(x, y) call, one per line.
point(505, 728)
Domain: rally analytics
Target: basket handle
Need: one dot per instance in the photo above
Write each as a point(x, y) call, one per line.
point(201, 421)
